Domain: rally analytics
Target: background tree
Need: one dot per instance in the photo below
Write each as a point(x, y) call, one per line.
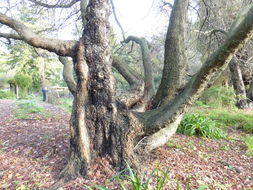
point(214, 26)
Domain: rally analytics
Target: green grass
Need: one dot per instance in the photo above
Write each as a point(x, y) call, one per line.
point(199, 125)
point(228, 117)
point(66, 104)
point(131, 181)
point(26, 109)
point(249, 143)
point(218, 103)
point(7, 95)
point(218, 96)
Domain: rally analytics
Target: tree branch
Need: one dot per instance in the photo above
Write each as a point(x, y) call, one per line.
point(10, 36)
point(68, 71)
point(167, 3)
point(175, 61)
point(129, 75)
point(146, 61)
point(117, 20)
point(240, 33)
point(136, 92)
point(60, 47)
point(57, 5)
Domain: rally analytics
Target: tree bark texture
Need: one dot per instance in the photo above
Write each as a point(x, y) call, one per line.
point(97, 129)
point(237, 79)
point(68, 72)
point(175, 63)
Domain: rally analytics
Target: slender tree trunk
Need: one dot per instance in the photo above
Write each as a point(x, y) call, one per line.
point(237, 80)
point(242, 102)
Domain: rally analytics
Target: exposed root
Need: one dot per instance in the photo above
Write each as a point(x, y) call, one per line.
point(75, 168)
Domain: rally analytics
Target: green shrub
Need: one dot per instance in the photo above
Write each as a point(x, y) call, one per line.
point(249, 143)
point(24, 81)
point(219, 96)
point(7, 95)
point(194, 124)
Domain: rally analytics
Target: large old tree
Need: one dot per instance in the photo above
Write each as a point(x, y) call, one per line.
point(103, 124)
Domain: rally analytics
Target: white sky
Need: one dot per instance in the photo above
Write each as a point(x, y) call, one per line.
point(139, 17)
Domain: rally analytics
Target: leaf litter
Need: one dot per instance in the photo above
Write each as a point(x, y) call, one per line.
point(33, 153)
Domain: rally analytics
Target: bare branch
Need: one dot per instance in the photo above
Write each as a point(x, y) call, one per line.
point(146, 61)
point(206, 16)
point(10, 36)
point(117, 20)
point(167, 3)
point(57, 5)
point(60, 47)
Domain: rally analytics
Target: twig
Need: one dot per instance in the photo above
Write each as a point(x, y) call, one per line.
point(117, 20)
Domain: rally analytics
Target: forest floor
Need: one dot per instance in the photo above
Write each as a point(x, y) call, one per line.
point(34, 150)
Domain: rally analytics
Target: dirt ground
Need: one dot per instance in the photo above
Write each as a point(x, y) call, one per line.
point(34, 151)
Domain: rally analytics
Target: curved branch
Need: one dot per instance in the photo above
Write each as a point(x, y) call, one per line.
point(136, 92)
point(57, 5)
point(161, 123)
point(146, 60)
point(60, 47)
point(68, 74)
point(167, 3)
point(129, 75)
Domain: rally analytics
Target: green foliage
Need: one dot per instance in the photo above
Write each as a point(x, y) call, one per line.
point(23, 81)
point(249, 143)
point(66, 104)
point(28, 107)
point(200, 103)
point(234, 118)
point(194, 124)
point(7, 95)
point(219, 96)
point(138, 183)
point(134, 182)
point(23, 60)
